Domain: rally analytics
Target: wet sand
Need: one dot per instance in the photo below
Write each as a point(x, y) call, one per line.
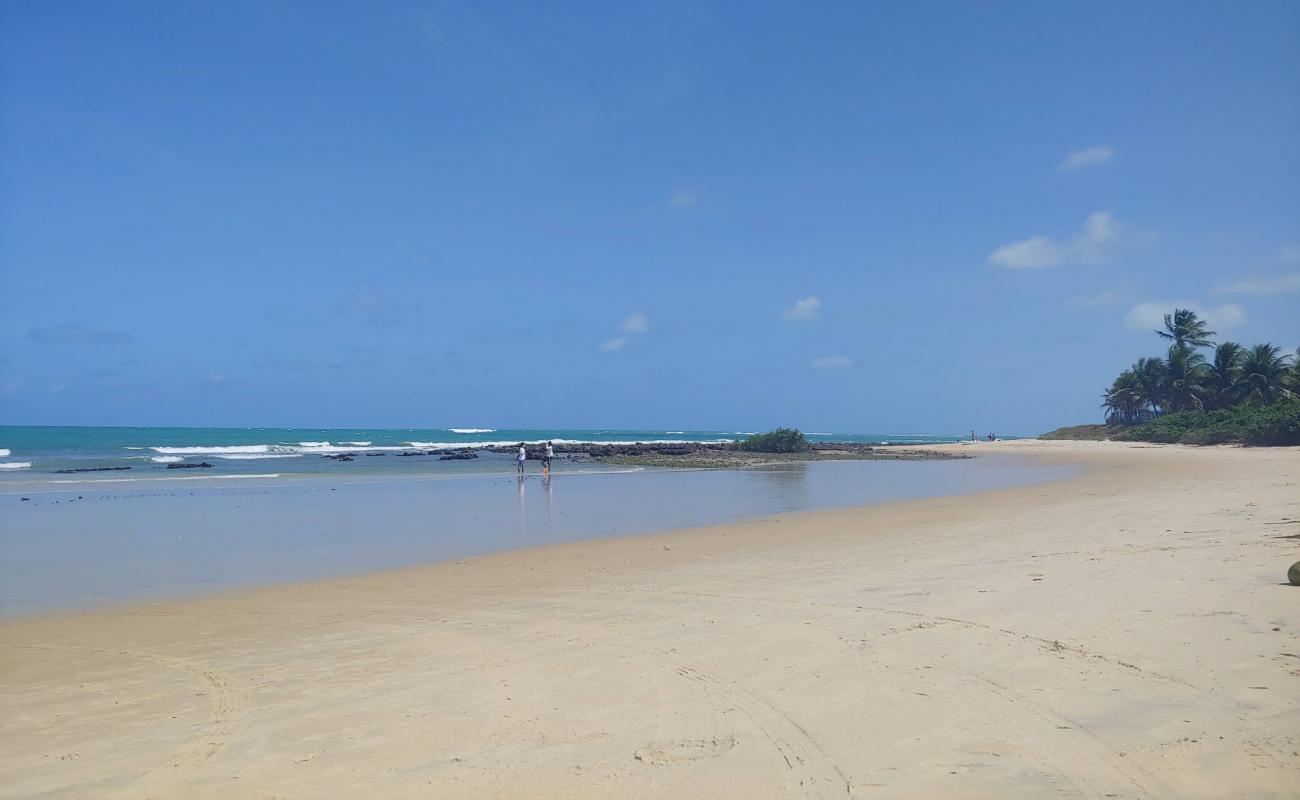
point(1127, 632)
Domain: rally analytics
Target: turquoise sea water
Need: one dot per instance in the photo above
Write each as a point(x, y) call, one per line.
point(41, 454)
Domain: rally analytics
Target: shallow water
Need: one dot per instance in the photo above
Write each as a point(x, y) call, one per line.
point(84, 545)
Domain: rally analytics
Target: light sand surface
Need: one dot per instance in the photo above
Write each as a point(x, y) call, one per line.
point(1127, 633)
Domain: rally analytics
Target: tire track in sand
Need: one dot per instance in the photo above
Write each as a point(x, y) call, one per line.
point(810, 773)
point(227, 700)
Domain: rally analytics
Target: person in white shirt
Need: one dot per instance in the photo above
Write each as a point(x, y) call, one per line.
point(522, 457)
point(547, 456)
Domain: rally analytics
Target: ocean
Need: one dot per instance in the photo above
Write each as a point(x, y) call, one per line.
point(31, 455)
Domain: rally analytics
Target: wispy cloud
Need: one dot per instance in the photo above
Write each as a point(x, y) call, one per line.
point(1276, 284)
point(805, 310)
point(76, 333)
point(1151, 314)
point(1090, 246)
point(682, 198)
point(636, 323)
point(1087, 157)
point(832, 362)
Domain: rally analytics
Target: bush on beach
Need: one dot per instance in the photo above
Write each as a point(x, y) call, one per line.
point(1276, 424)
point(781, 440)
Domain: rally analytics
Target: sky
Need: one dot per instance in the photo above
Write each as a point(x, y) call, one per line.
point(849, 217)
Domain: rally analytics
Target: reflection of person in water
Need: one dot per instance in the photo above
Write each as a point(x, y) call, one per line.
point(546, 487)
point(523, 529)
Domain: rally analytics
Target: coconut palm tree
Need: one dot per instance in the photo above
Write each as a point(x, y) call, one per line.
point(1184, 327)
point(1223, 380)
point(1150, 376)
point(1264, 374)
point(1184, 377)
point(1123, 400)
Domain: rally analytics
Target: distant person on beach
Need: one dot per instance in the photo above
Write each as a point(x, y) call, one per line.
point(547, 456)
point(521, 458)
point(972, 437)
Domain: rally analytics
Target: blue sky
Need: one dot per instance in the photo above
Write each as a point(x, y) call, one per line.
point(924, 217)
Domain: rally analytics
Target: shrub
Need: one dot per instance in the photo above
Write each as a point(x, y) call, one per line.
point(1274, 424)
point(781, 440)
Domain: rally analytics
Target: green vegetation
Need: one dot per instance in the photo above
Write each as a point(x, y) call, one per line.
point(1092, 433)
point(1247, 395)
point(1274, 424)
point(781, 440)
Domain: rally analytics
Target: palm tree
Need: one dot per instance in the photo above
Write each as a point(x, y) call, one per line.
point(1123, 400)
point(1184, 375)
point(1224, 376)
point(1264, 374)
point(1184, 327)
point(1150, 376)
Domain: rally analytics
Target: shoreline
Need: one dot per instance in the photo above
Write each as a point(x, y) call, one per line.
point(1001, 644)
point(175, 540)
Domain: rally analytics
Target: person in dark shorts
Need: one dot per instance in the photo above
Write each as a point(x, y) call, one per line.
point(547, 455)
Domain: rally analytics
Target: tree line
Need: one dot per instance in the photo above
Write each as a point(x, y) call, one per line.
point(1197, 374)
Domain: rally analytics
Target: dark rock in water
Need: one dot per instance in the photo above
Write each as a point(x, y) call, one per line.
point(338, 456)
point(90, 469)
point(24, 499)
point(458, 455)
point(1293, 574)
point(200, 465)
point(376, 454)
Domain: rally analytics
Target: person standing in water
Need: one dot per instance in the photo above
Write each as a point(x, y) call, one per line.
point(547, 455)
point(521, 458)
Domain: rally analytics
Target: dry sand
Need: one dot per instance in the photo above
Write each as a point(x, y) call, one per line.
point(1126, 633)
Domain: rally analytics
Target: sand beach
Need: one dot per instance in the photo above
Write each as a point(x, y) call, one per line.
point(1126, 632)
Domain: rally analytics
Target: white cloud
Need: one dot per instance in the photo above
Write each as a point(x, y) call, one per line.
point(832, 362)
point(1151, 314)
point(1278, 284)
point(1087, 157)
point(683, 197)
point(1091, 246)
point(614, 344)
point(805, 310)
point(636, 323)
point(1032, 253)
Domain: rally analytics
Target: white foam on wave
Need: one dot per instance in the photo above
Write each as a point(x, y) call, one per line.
point(472, 430)
point(4, 452)
point(16, 465)
point(212, 450)
point(166, 459)
point(326, 448)
point(255, 456)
